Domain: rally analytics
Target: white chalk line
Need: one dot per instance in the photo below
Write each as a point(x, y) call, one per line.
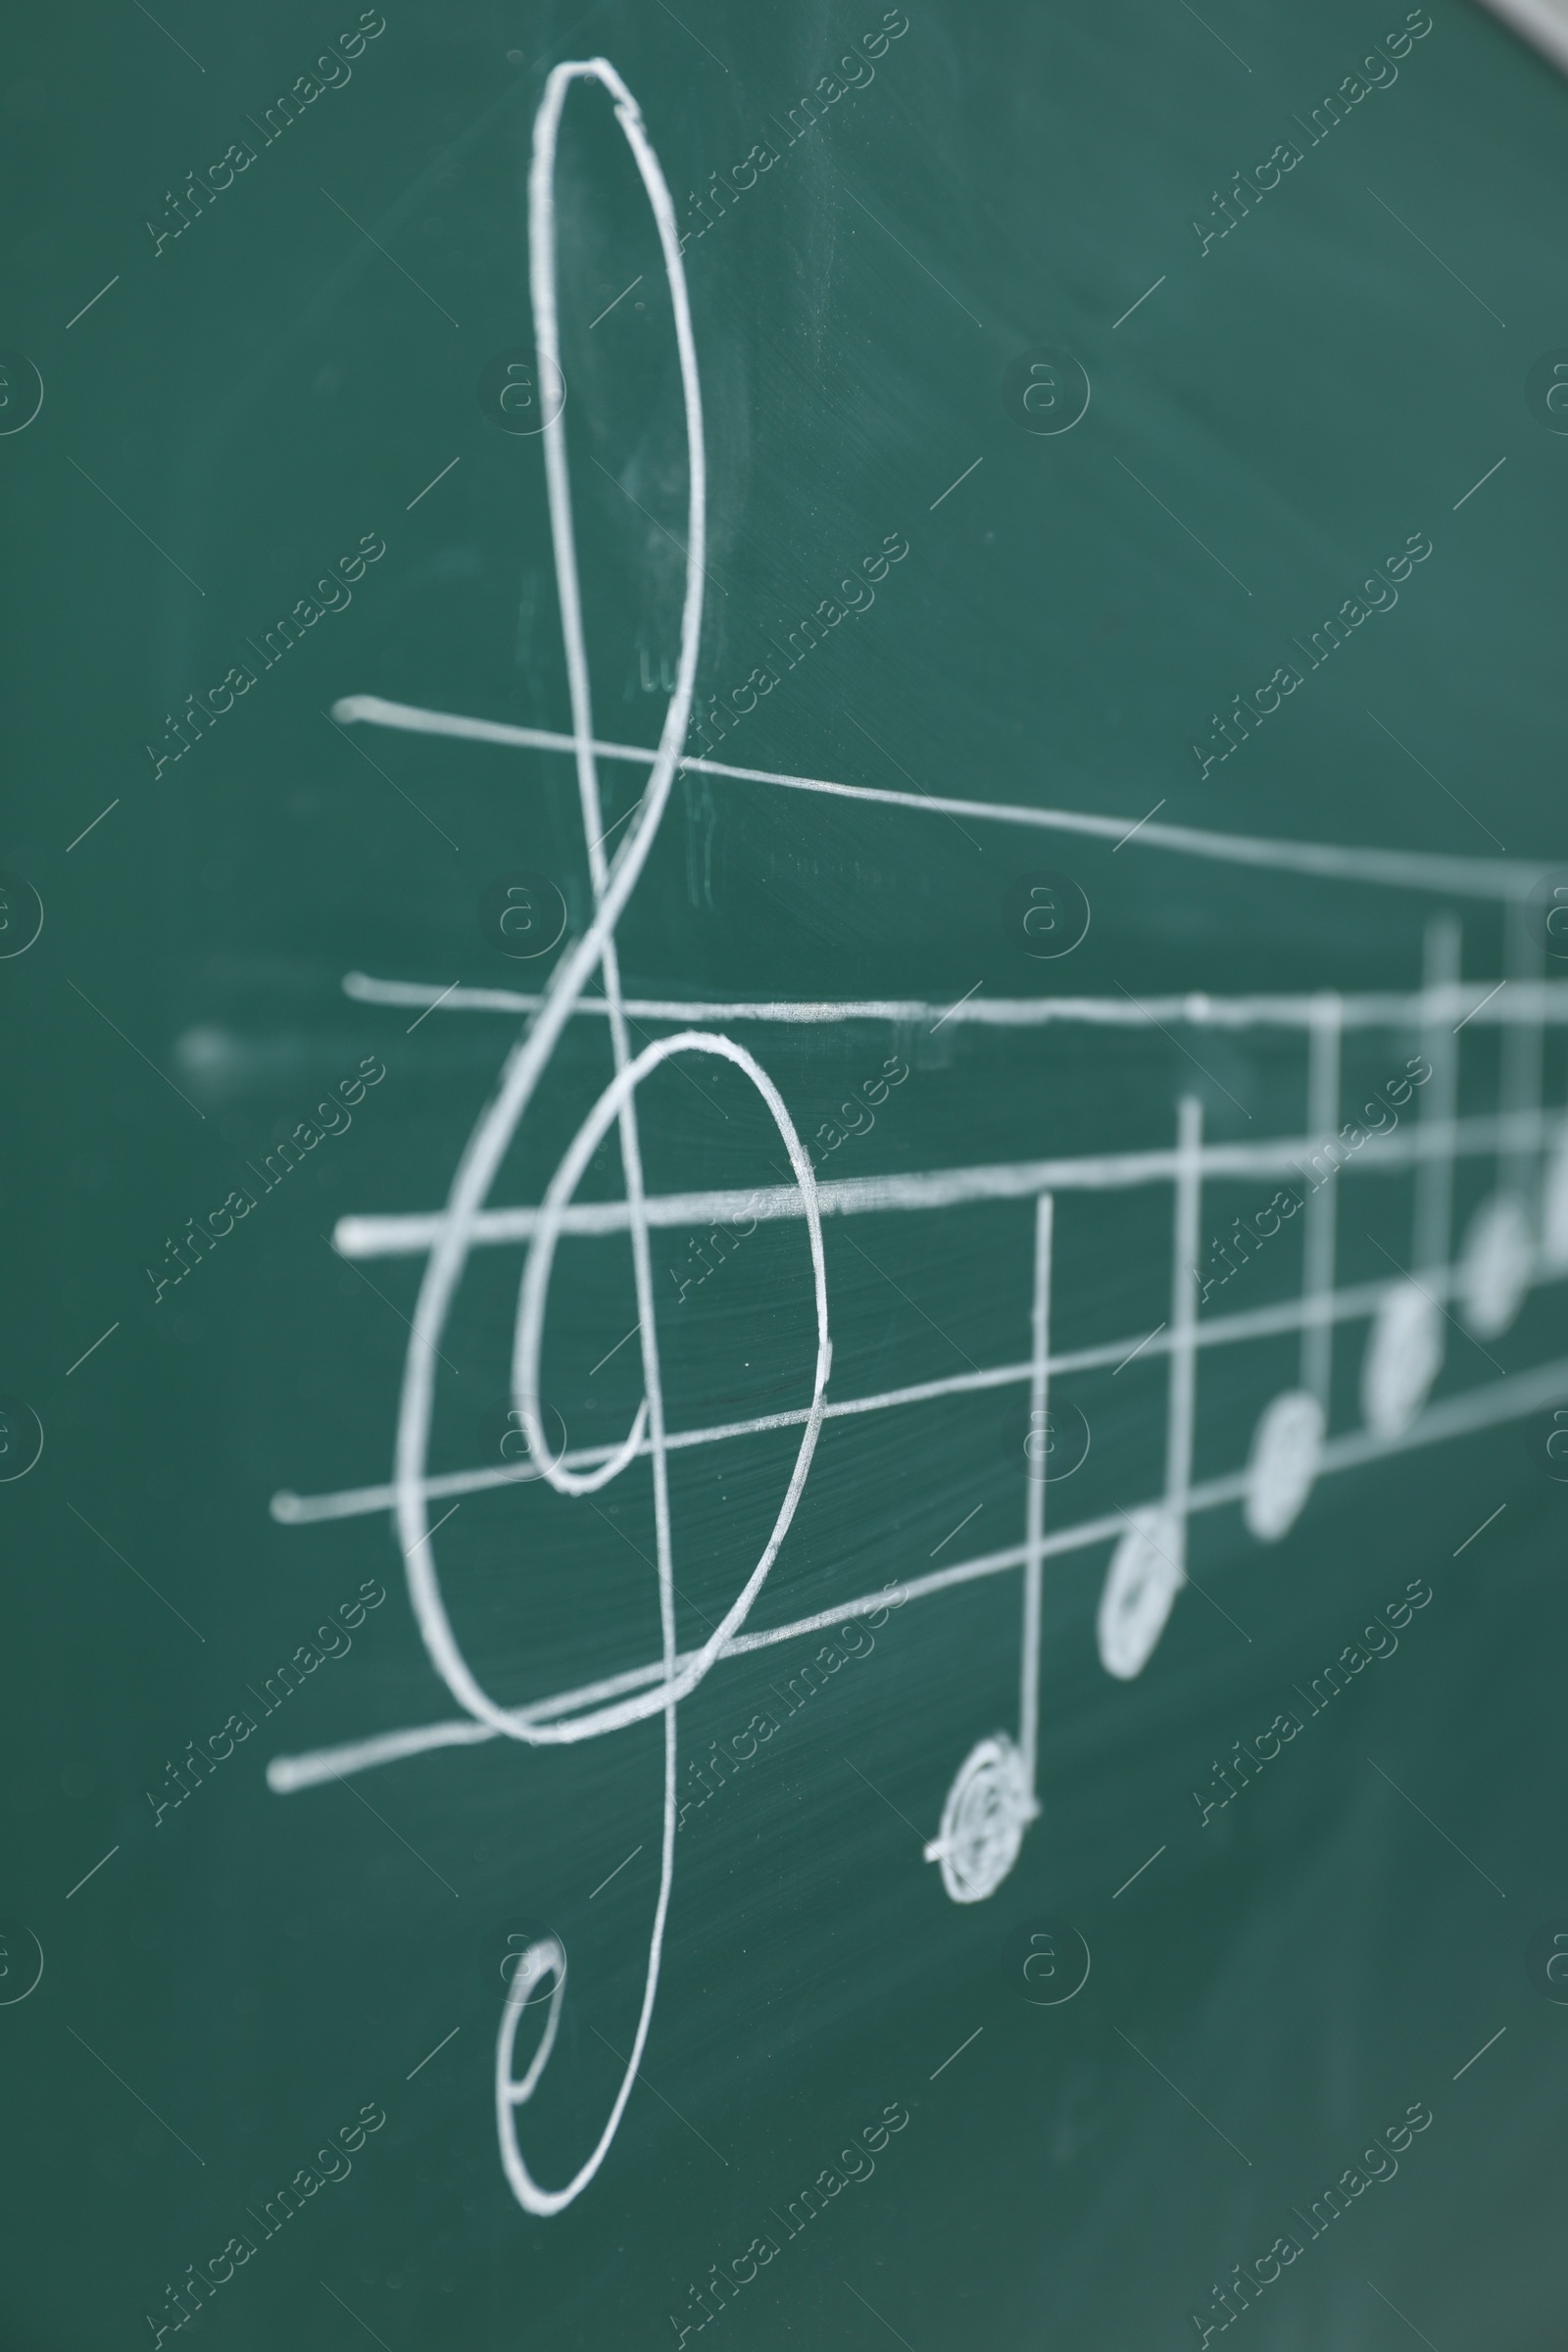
point(412, 1233)
point(1399, 869)
point(447, 1239)
point(525, 1373)
point(303, 1510)
point(415, 1420)
point(1350, 1304)
point(1533, 1003)
point(613, 886)
point(1523, 1393)
point(594, 953)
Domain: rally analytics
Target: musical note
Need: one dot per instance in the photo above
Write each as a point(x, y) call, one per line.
point(1288, 1443)
point(1405, 1347)
point(993, 1796)
point(1150, 1565)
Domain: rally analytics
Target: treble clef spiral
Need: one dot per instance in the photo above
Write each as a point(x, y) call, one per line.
point(613, 882)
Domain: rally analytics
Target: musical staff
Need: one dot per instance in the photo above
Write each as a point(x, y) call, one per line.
point(1518, 1240)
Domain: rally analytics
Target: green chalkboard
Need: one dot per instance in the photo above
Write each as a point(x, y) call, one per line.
point(783, 1399)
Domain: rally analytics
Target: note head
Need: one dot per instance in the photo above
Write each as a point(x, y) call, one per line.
point(988, 1809)
point(1287, 1453)
point(1495, 1265)
point(1403, 1357)
point(1145, 1574)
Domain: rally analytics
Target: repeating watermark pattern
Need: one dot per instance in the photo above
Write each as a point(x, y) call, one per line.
point(20, 391)
point(1243, 193)
point(521, 392)
point(859, 1116)
point(740, 1231)
point(523, 915)
point(1046, 1962)
point(1046, 914)
point(517, 1957)
point(855, 72)
point(854, 1637)
point(202, 189)
point(1249, 189)
point(1281, 1208)
point(1546, 1436)
point(502, 1432)
point(856, 594)
point(1381, 1638)
point(723, 2283)
point(21, 1962)
point(1053, 1439)
point(1045, 390)
point(1547, 1960)
point(1248, 2280)
point(992, 1797)
point(1245, 715)
point(198, 716)
point(1547, 910)
point(199, 1763)
point(1546, 390)
point(21, 1439)
point(199, 1241)
point(1378, 594)
point(1334, 1152)
point(20, 916)
point(183, 2303)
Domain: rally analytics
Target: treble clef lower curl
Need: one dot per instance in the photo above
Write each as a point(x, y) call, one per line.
point(613, 883)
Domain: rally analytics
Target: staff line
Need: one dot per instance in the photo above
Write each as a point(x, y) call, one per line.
point(1401, 869)
point(1266, 1322)
point(1435, 1139)
point(1461, 1416)
point(1532, 1002)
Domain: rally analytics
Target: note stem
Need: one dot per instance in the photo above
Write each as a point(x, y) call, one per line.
point(1182, 1393)
point(1434, 1184)
point(1520, 1084)
point(1035, 1494)
point(1322, 1204)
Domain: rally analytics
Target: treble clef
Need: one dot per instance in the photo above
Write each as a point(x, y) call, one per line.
point(613, 882)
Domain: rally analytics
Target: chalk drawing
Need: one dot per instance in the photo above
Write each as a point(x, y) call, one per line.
point(1518, 1238)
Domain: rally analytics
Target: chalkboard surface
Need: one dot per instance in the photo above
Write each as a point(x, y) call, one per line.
point(785, 998)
